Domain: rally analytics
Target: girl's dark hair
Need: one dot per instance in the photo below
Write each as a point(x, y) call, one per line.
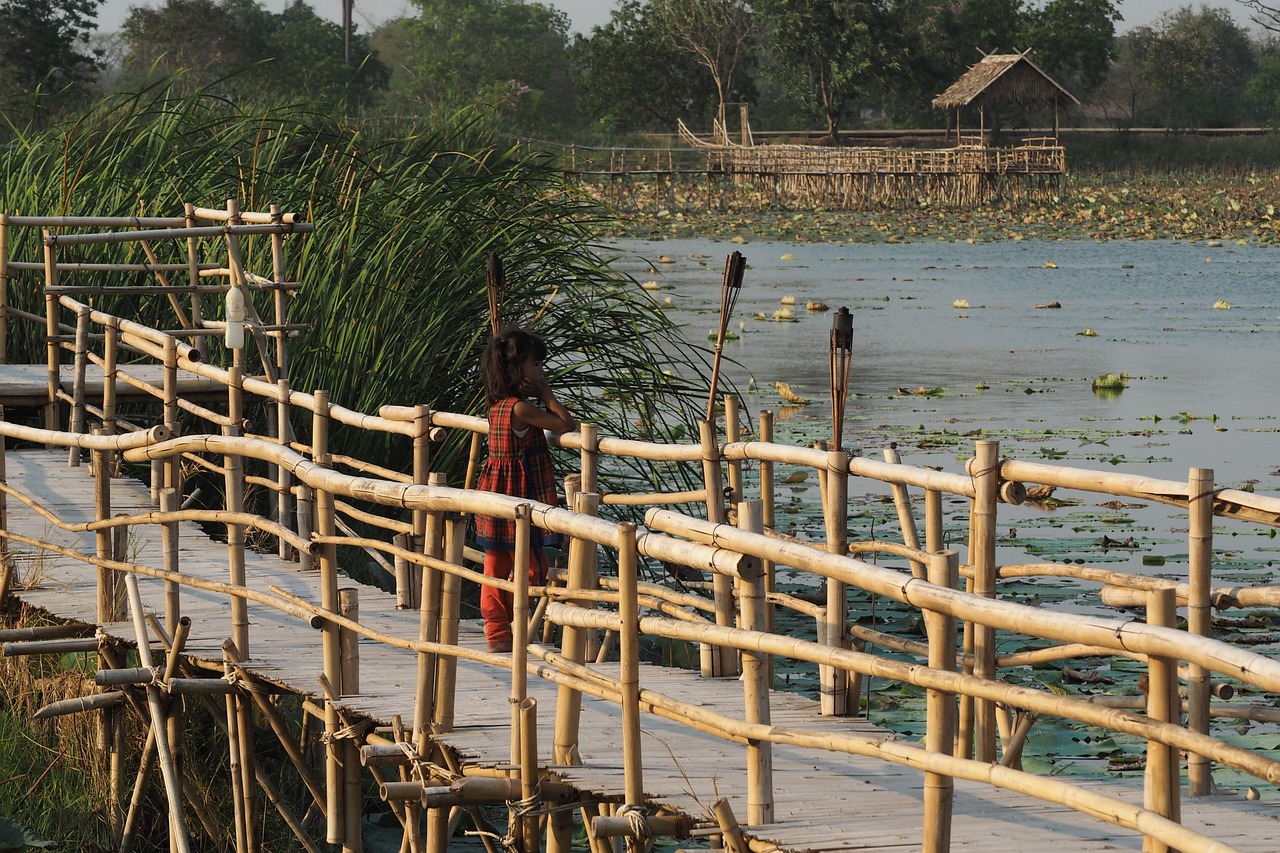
point(500, 366)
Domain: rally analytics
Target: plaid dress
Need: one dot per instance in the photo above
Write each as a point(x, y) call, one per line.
point(519, 466)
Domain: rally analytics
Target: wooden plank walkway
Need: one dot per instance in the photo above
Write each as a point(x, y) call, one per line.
point(27, 384)
point(823, 801)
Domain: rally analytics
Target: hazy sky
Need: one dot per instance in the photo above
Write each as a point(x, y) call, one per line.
point(584, 14)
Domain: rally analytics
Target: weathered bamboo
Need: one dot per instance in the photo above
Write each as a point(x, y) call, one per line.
point(756, 669)
point(349, 641)
point(1199, 616)
point(108, 594)
point(529, 772)
point(984, 468)
point(716, 662)
point(428, 621)
point(731, 833)
point(450, 605)
point(234, 478)
point(589, 455)
point(168, 769)
point(629, 665)
point(519, 629)
point(835, 683)
point(733, 433)
point(939, 790)
point(573, 643)
point(1161, 786)
point(53, 350)
point(77, 394)
point(4, 289)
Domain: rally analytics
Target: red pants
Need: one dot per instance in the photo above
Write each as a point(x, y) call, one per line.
point(495, 604)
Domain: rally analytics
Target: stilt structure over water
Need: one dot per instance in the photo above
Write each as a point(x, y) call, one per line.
point(399, 706)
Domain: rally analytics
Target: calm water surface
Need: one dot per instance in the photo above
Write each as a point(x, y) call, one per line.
point(1202, 386)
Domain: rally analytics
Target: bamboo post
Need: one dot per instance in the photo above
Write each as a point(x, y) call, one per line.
point(243, 766)
point(428, 624)
point(234, 478)
point(450, 604)
point(108, 582)
point(305, 511)
point(172, 466)
point(756, 668)
point(279, 274)
point(730, 831)
point(835, 681)
point(53, 350)
point(939, 790)
point(349, 640)
point(4, 289)
point(193, 279)
point(984, 468)
point(169, 545)
point(629, 663)
point(520, 628)
point(405, 593)
point(767, 517)
point(422, 476)
point(716, 661)
point(932, 520)
point(733, 433)
point(6, 561)
point(573, 642)
point(284, 479)
point(172, 783)
point(77, 388)
point(1160, 793)
point(110, 354)
point(590, 457)
point(330, 642)
point(527, 709)
point(1200, 491)
point(906, 519)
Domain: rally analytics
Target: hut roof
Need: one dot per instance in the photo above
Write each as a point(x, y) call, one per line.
point(1003, 77)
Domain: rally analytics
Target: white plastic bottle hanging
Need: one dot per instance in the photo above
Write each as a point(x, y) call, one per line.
point(235, 318)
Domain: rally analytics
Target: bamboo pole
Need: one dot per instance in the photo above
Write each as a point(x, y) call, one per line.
point(331, 644)
point(4, 289)
point(77, 393)
point(529, 773)
point(52, 349)
point(590, 457)
point(1199, 617)
point(234, 479)
point(733, 433)
point(450, 604)
point(629, 665)
point(573, 642)
point(835, 683)
point(520, 630)
point(1160, 792)
point(984, 467)
point(243, 765)
point(173, 787)
point(6, 558)
point(284, 481)
point(939, 789)
point(716, 662)
point(906, 519)
point(731, 834)
point(428, 623)
point(756, 677)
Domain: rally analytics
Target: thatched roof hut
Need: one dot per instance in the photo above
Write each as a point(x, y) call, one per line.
point(1003, 78)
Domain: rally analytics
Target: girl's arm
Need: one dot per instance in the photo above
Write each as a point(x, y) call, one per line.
point(556, 418)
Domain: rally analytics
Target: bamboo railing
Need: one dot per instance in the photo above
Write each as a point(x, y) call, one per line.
point(415, 524)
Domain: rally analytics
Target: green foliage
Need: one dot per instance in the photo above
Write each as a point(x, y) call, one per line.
point(407, 214)
point(14, 836)
point(1074, 40)
point(43, 47)
point(249, 51)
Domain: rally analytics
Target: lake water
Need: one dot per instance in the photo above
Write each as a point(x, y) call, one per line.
point(1202, 380)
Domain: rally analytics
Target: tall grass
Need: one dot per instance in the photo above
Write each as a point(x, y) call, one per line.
point(393, 277)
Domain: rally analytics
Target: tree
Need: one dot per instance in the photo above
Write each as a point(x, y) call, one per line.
point(1074, 40)
point(1265, 15)
point(628, 74)
point(294, 53)
point(44, 45)
point(1197, 62)
point(832, 51)
point(716, 33)
point(504, 53)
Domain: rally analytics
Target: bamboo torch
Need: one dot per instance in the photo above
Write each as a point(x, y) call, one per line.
point(495, 282)
point(841, 355)
point(730, 287)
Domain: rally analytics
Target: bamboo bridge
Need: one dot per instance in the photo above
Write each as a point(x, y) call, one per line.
point(243, 610)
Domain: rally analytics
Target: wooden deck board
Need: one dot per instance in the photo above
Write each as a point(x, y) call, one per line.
point(823, 801)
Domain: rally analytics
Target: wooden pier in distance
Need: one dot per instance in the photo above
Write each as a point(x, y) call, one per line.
point(397, 694)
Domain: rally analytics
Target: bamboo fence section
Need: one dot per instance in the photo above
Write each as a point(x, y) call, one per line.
point(414, 524)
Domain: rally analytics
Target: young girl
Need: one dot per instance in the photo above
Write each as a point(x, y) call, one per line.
point(518, 464)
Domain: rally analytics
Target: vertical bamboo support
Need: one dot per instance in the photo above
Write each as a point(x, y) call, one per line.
point(573, 643)
point(110, 354)
point(520, 627)
point(985, 470)
point(172, 465)
point(6, 562)
point(193, 279)
point(305, 511)
point(279, 274)
point(722, 661)
point(767, 516)
point(349, 641)
point(81, 363)
point(835, 681)
point(428, 623)
point(172, 783)
point(243, 765)
point(939, 790)
point(1160, 793)
point(234, 478)
point(284, 479)
point(53, 350)
point(405, 594)
point(169, 545)
point(330, 642)
point(450, 604)
point(733, 433)
point(932, 520)
point(527, 710)
point(756, 669)
point(108, 595)
point(906, 519)
point(1200, 492)
point(422, 476)
point(590, 457)
point(629, 663)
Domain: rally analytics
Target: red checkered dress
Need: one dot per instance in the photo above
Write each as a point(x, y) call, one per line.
point(519, 466)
